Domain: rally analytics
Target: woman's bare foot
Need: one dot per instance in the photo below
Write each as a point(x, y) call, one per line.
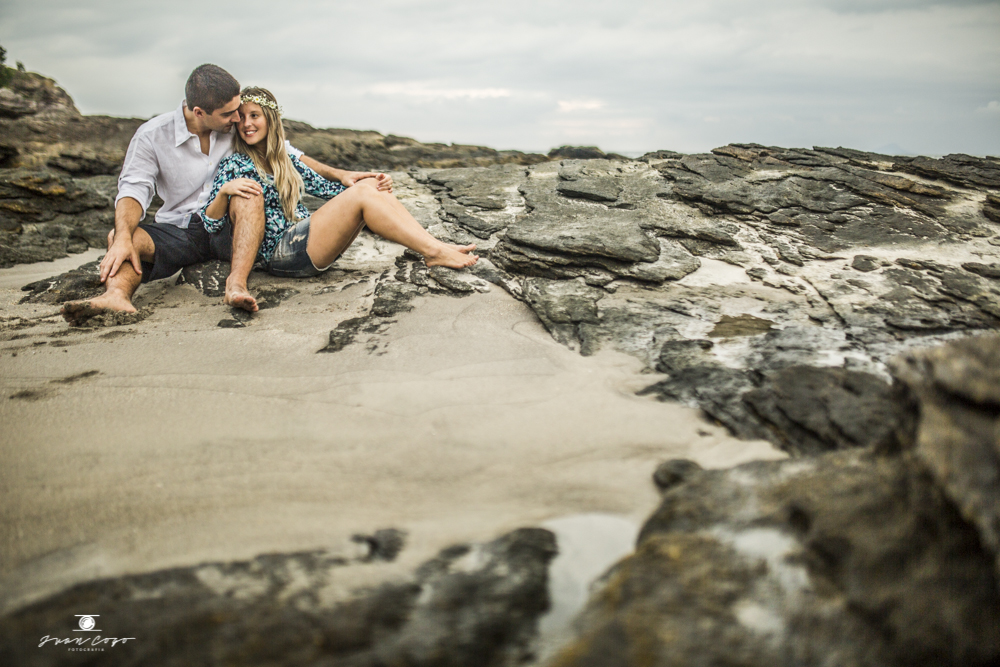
point(238, 296)
point(78, 312)
point(453, 256)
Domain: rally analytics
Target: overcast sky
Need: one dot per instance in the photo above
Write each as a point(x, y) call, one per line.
point(902, 75)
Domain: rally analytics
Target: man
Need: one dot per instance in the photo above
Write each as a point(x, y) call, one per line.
point(175, 155)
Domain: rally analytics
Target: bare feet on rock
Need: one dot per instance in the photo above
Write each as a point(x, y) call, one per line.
point(452, 256)
point(238, 296)
point(78, 312)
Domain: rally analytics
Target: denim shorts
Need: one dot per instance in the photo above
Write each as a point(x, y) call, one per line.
point(290, 259)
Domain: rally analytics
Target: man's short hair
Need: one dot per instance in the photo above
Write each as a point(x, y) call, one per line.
point(210, 87)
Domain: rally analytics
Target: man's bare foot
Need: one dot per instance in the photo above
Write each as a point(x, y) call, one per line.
point(238, 296)
point(453, 256)
point(78, 312)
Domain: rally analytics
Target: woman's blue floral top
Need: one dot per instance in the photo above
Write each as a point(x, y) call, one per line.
point(238, 165)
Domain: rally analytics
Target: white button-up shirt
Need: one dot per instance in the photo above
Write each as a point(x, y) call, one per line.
point(165, 157)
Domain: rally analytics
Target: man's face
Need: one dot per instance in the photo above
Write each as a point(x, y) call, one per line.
point(223, 118)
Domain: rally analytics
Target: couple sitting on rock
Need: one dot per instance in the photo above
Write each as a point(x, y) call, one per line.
point(250, 213)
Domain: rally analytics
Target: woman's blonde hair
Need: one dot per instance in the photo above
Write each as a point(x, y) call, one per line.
point(275, 160)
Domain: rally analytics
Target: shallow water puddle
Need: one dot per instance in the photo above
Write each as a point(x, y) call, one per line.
point(588, 545)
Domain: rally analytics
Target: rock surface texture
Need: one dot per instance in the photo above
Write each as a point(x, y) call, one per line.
point(769, 286)
point(857, 557)
point(472, 604)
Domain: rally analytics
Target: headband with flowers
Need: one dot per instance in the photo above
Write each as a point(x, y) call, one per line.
point(262, 101)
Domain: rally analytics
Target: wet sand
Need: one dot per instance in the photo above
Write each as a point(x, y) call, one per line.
point(174, 441)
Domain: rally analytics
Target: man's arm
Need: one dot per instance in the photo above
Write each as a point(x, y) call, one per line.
point(348, 178)
point(128, 212)
point(136, 185)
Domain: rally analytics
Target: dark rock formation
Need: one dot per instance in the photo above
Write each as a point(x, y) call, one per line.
point(45, 215)
point(209, 278)
point(82, 282)
point(582, 153)
point(956, 434)
point(474, 604)
point(352, 149)
point(31, 94)
point(827, 260)
point(878, 556)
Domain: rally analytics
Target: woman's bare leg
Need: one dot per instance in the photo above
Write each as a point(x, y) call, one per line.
point(337, 223)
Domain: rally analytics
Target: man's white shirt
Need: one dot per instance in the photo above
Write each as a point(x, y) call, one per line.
point(164, 157)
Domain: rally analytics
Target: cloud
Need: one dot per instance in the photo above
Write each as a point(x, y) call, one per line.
point(773, 71)
point(992, 107)
point(569, 106)
point(423, 91)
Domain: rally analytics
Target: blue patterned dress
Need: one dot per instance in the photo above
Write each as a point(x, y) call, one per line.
point(238, 165)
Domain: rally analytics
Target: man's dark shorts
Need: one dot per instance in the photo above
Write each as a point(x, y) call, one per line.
point(177, 248)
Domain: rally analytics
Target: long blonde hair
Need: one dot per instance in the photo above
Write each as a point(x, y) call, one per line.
point(275, 160)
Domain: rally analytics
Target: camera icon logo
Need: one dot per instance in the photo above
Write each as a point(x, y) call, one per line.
point(87, 622)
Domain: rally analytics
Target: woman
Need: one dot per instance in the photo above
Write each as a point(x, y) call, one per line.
point(296, 244)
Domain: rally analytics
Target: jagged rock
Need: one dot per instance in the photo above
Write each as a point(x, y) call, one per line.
point(857, 557)
point(786, 218)
point(384, 544)
point(392, 298)
point(671, 473)
point(562, 305)
point(472, 604)
point(576, 153)
point(344, 334)
point(984, 270)
point(82, 282)
point(812, 410)
point(31, 94)
point(846, 559)
point(209, 277)
point(351, 149)
point(963, 170)
point(865, 263)
point(45, 216)
point(956, 388)
point(991, 207)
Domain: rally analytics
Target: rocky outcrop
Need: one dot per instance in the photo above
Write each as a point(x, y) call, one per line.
point(955, 431)
point(877, 556)
point(44, 215)
point(359, 150)
point(473, 604)
point(50, 154)
point(31, 94)
point(769, 286)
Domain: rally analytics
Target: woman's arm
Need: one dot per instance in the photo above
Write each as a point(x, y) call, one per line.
point(227, 183)
point(316, 185)
point(348, 178)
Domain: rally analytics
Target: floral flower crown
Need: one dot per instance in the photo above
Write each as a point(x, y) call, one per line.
point(262, 101)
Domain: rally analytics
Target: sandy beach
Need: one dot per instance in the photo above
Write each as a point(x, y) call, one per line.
point(175, 441)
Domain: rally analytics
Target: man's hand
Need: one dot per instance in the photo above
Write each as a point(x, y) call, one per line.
point(121, 251)
point(351, 177)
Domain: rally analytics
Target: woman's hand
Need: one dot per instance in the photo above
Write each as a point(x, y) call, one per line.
point(384, 181)
point(241, 187)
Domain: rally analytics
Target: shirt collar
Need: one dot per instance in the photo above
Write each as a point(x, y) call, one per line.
point(181, 131)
